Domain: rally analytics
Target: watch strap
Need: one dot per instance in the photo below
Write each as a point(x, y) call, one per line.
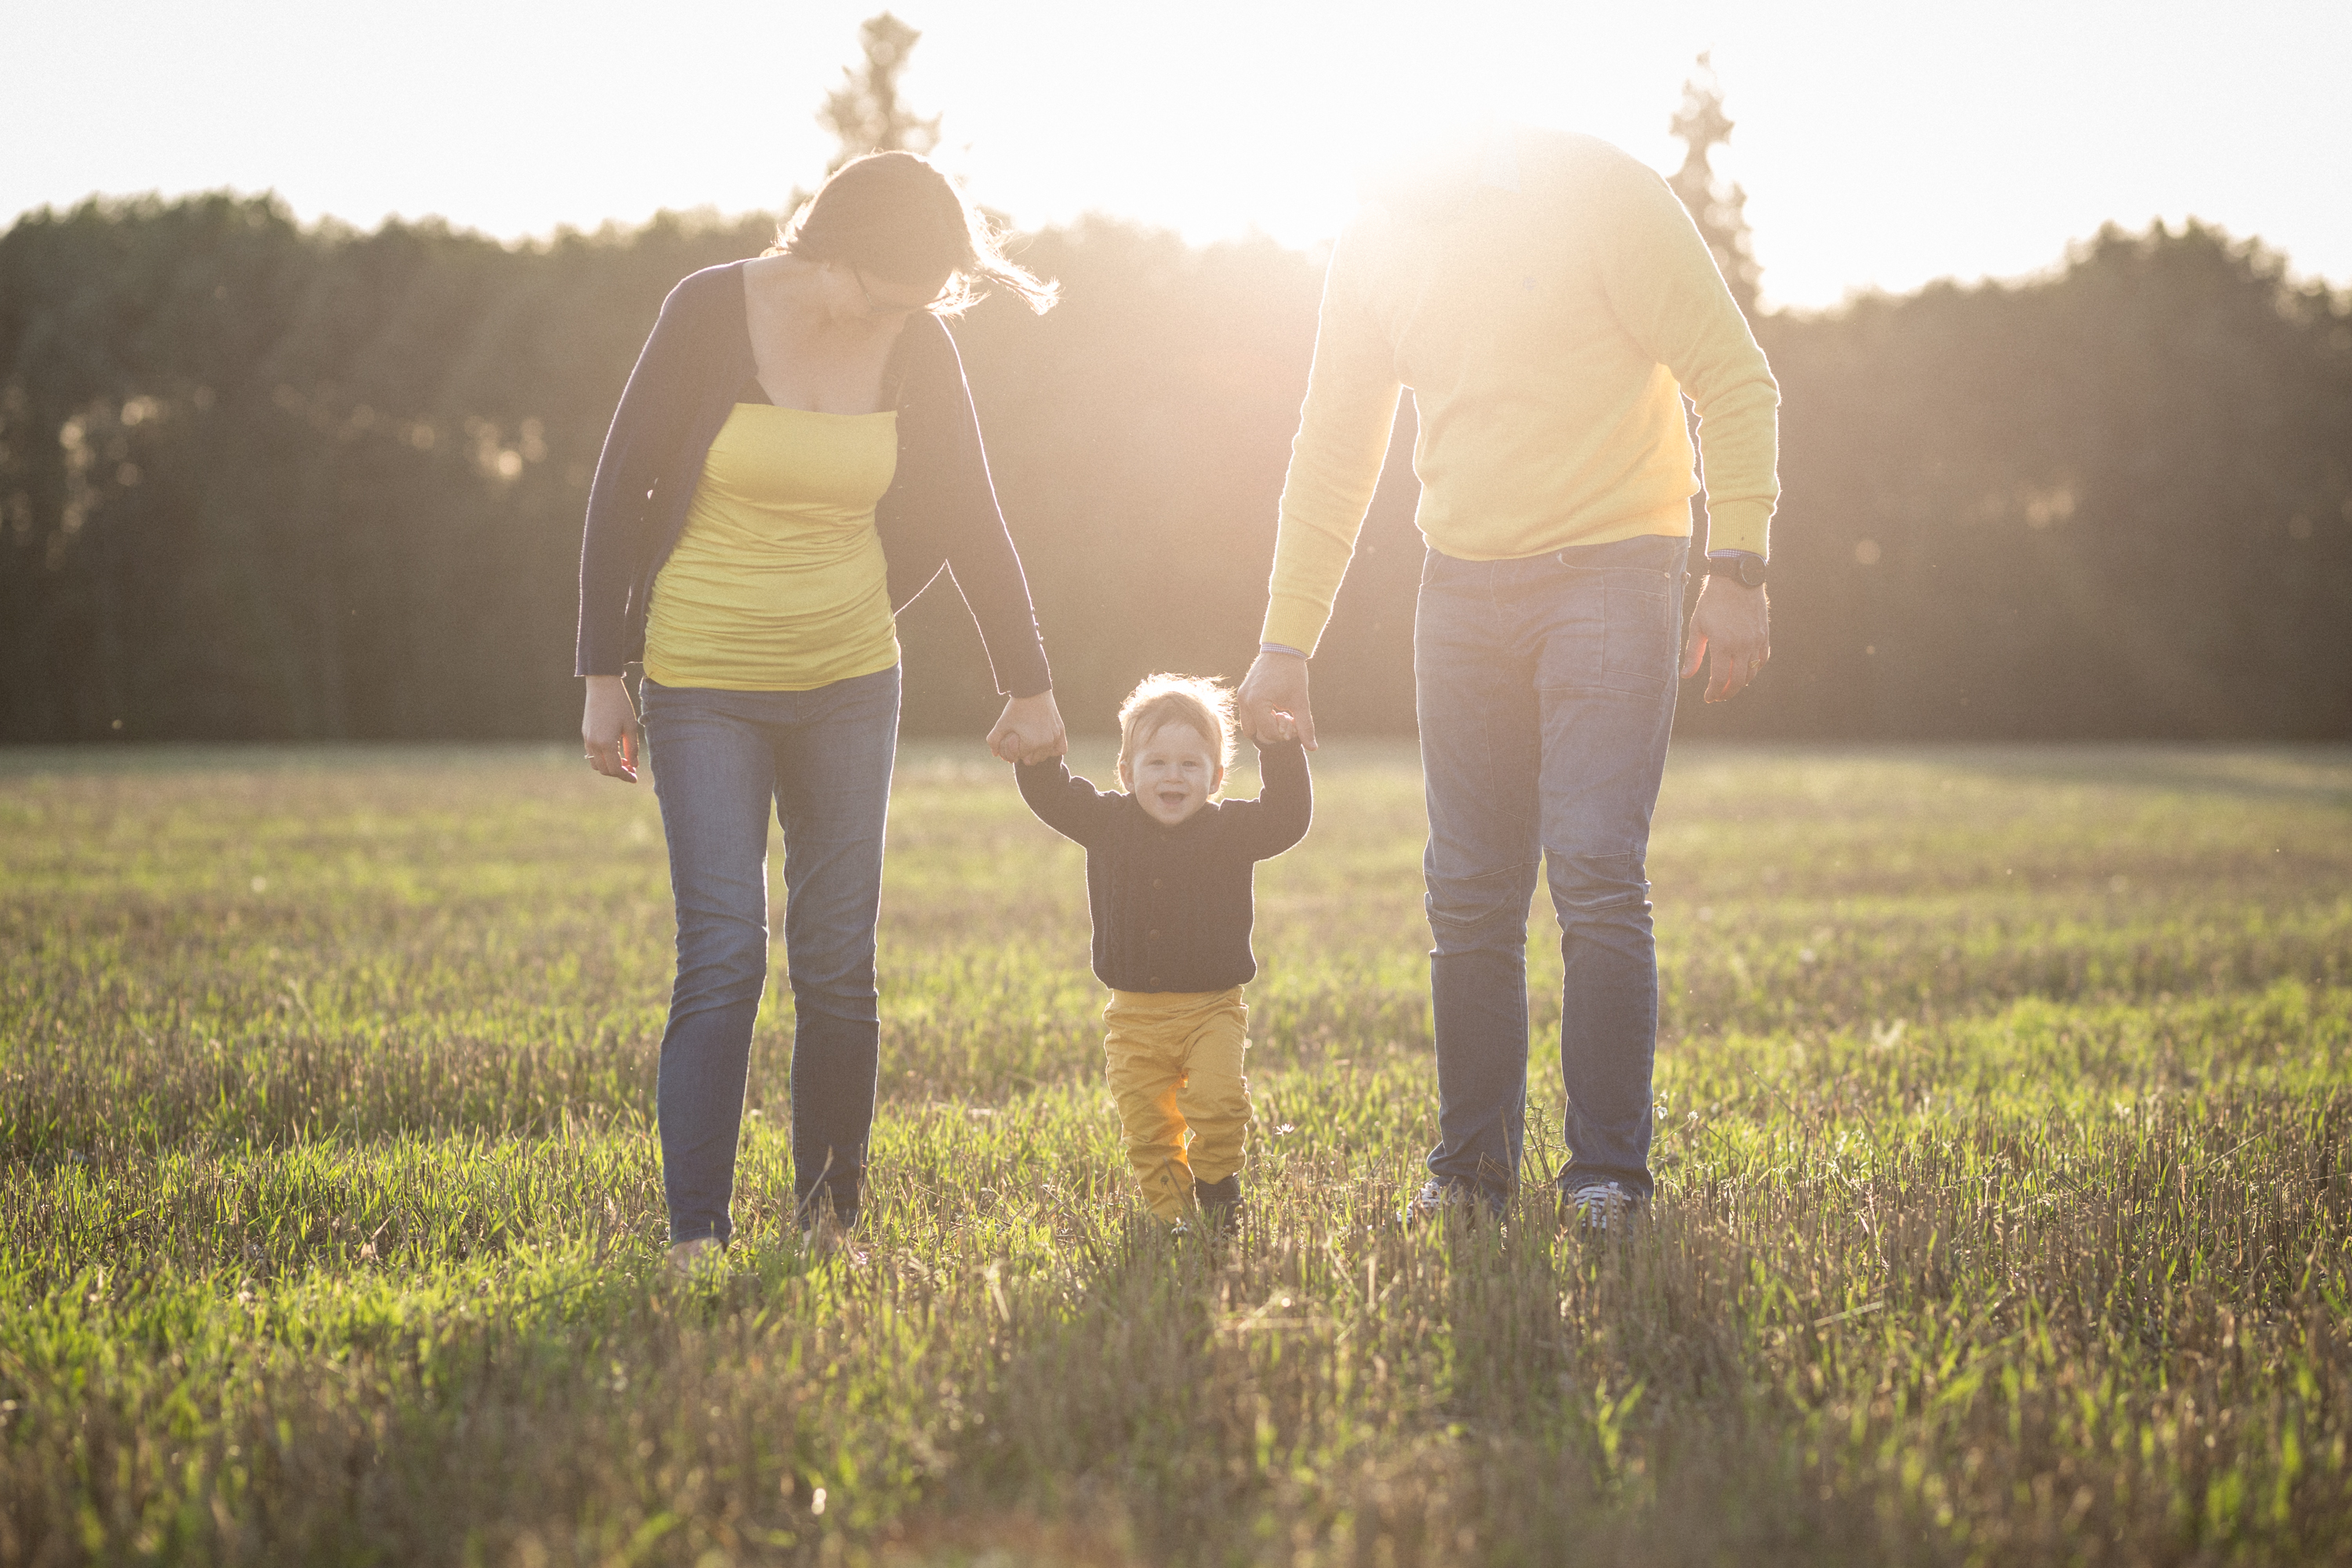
point(1742, 566)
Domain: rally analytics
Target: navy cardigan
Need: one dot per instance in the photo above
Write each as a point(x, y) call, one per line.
point(940, 510)
point(1172, 906)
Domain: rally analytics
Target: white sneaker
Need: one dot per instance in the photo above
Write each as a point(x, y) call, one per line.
point(1605, 1209)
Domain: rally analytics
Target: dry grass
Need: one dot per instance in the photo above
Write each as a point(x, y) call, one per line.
point(2005, 1111)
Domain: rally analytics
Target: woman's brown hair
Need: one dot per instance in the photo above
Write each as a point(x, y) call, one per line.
point(896, 216)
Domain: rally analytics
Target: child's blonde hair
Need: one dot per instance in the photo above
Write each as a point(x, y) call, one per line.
point(1192, 700)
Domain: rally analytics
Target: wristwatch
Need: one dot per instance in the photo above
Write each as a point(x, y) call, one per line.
point(1742, 566)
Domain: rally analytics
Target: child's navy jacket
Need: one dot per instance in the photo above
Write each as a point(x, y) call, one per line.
point(1172, 906)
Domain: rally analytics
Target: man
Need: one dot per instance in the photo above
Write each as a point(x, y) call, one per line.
point(1549, 302)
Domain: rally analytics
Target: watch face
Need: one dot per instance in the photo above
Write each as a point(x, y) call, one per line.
point(1751, 571)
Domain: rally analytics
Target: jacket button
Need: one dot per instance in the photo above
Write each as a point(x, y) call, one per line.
point(1155, 933)
point(1155, 881)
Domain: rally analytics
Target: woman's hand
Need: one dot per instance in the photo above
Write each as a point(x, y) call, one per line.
point(1029, 731)
point(608, 729)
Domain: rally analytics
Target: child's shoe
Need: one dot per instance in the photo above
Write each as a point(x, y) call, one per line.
point(1220, 1204)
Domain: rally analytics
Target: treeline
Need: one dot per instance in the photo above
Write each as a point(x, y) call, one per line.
point(258, 481)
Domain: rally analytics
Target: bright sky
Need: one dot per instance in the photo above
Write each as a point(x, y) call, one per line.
point(1882, 144)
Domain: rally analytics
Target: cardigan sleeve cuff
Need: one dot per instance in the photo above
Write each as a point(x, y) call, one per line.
point(1033, 678)
point(1022, 671)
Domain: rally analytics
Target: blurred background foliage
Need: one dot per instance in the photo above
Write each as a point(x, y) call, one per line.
point(263, 481)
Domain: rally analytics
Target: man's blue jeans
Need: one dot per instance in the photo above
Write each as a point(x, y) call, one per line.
point(721, 760)
point(1545, 689)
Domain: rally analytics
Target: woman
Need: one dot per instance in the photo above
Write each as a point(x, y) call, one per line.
point(794, 458)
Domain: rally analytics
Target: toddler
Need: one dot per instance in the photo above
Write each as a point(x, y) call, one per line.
point(1168, 867)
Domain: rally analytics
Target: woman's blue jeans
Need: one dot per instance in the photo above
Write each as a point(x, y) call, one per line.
point(1545, 689)
point(721, 760)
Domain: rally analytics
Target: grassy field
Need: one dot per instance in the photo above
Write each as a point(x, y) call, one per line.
point(2005, 1135)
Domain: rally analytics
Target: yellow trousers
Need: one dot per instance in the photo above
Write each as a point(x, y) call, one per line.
point(1175, 1061)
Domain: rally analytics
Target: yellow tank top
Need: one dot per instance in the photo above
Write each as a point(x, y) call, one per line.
point(778, 582)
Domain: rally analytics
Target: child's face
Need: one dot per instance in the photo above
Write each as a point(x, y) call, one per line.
point(1174, 772)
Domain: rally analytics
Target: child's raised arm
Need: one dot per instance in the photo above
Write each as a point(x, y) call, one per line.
point(1277, 818)
point(1070, 805)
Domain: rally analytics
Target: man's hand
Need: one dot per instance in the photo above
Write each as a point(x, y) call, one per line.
point(1029, 730)
point(1734, 624)
point(608, 729)
point(1271, 701)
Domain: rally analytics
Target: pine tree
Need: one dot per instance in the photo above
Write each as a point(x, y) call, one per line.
point(1702, 126)
point(864, 111)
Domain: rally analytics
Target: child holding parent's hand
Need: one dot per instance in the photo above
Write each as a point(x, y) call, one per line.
point(1170, 868)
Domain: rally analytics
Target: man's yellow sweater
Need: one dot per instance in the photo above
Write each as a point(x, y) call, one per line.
point(1549, 323)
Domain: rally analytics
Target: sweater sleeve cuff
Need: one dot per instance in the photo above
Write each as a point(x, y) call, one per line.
point(1739, 525)
point(1295, 621)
